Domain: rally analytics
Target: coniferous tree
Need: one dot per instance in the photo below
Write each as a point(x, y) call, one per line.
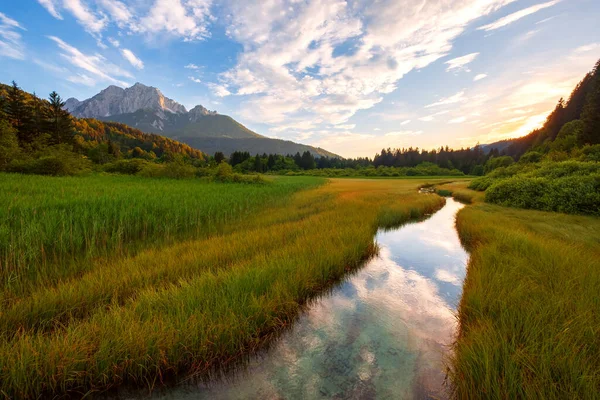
point(19, 113)
point(298, 159)
point(591, 112)
point(308, 161)
point(219, 157)
point(258, 167)
point(60, 124)
point(3, 115)
point(271, 162)
point(35, 125)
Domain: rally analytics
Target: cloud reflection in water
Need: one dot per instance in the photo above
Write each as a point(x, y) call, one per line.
point(380, 334)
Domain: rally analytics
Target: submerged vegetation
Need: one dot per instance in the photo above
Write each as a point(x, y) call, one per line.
point(529, 320)
point(181, 308)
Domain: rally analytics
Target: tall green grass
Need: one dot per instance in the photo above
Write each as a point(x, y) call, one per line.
point(50, 228)
point(530, 312)
point(197, 305)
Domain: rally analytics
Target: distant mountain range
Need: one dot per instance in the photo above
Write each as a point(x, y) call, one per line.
point(147, 109)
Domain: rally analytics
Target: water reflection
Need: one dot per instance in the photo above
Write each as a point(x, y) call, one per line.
point(380, 334)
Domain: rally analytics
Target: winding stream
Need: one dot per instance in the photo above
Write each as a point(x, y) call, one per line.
point(380, 334)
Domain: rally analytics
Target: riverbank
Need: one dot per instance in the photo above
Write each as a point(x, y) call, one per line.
point(200, 304)
point(529, 318)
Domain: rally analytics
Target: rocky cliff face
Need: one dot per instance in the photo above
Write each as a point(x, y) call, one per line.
point(197, 112)
point(115, 100)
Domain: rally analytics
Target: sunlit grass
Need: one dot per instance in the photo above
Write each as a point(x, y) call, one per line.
point(196, 305)
point(530, 312)
point(53, 228)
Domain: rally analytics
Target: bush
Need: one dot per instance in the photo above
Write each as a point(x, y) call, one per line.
point(127, 167)
point(497, 162)
point(531, 157)
point(55, 160)
point(590, 153)
point(568, 194)
point(9, 144)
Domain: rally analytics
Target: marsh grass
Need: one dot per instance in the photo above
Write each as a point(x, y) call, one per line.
point(530, 312)
point(195, 305)
point(52, 229)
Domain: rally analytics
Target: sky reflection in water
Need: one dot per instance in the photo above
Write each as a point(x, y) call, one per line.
point(380, 334)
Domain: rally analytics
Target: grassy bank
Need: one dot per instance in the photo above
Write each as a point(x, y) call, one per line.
point(53, 228)
point(198, 304)
point(530, 312)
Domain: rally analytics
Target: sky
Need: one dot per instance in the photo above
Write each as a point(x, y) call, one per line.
point(350, 76)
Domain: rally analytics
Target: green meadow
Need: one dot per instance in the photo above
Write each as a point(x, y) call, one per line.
point(529, 318)
point(218, 269)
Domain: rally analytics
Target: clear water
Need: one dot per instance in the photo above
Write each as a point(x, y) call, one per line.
point(381, 334)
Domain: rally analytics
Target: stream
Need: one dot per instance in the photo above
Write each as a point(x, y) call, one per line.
point(380, 334)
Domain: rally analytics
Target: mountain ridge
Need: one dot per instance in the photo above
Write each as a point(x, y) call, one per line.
point(147, 109)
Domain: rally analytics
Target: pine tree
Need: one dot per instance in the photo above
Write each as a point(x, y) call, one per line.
point(219, 157)
point(591, 112)
point(19, 113)
point(60, 124)
point(258, 167)
point(271, 162)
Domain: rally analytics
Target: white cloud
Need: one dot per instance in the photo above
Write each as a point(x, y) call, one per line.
point(82, 79)
point(96, 66)
point(118, 11)
point(458, 120)
point(133, 60)
point(114, 42)
point(404, 133)
point(92, 23)
point(457, 98)
point(219, 90)
point(51, 8)
point(291, 62)
point(460, 63)
point(10, 38)
point(191, 78)
point(50, 67)
point(509, 19)
point(479, 77)
point(345, 126)
point(301, 125)
point(189, 20)
point(587, 48)
point(406, 122)
point(192, 66)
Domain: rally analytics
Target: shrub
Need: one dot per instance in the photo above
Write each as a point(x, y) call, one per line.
point(531, 157)
point(9, 144)
point(568, 194)
point(128, 167)
point(497, 162)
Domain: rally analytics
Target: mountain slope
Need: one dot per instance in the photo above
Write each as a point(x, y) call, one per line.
point(145, 108)
point(257, 145)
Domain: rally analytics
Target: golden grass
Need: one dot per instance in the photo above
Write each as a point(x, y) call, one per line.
point(199, 304)
point(530, 312)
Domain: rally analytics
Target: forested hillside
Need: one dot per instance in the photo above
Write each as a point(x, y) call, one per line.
point(558, 166)
point(582, 109)
point(39, 136)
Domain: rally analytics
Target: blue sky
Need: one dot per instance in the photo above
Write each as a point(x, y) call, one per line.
point(350, 76)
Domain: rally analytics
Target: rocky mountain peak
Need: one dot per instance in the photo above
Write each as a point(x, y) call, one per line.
point(115, 100)
point(199, 111)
